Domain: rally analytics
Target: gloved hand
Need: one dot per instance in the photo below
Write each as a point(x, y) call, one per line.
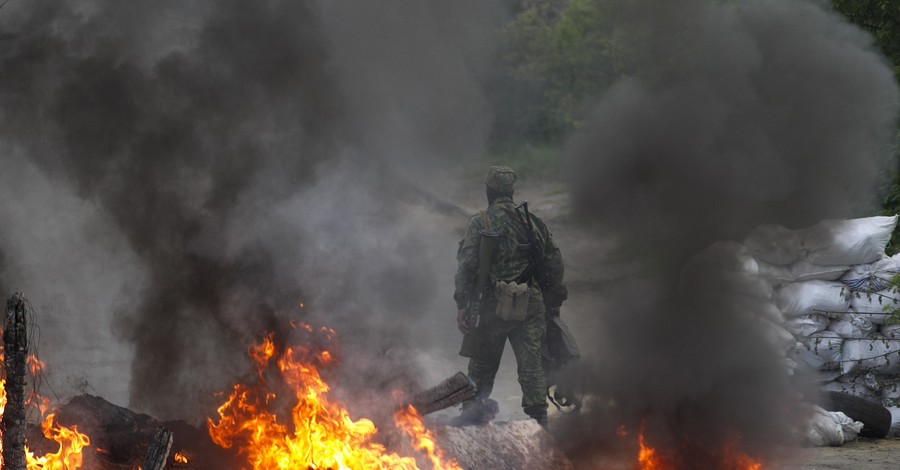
point(461, 321)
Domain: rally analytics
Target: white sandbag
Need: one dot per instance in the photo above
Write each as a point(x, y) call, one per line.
point(895, 421)
point(849, 427)
point(878, 318)
point(830, 428)
point(805, 271)
point(812, 297)
point(890, 331)
point(847, 242)
point(727, 256)
point(774, 244)
point(806, 325)
point(890, 389)
point(800, 271)
point(872, 277)
point(880, 356)
point(877, 305)
point(822, 376)
point(822, 431)
point(788, 365)
point(768, 311)
point(853, 326)
point(868, 379)
point(857, 389)
point(780, 339)
point(822, 351)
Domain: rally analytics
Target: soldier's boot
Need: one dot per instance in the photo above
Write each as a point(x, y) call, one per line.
point(539, 414)
point(476, 412)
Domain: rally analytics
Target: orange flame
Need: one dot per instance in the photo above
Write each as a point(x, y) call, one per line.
point(649, 458)
point(34, 364)
point(71, 442)
point(320, 434)
point(410, 423)
point(180, 457)
point(736, 460)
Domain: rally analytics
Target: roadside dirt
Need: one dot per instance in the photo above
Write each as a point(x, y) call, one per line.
point(587, 283)
point(869, 454)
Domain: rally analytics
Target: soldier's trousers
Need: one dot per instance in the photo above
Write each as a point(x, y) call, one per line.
point(526, 338)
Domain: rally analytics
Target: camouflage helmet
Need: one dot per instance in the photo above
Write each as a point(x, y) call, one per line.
point(502, 179)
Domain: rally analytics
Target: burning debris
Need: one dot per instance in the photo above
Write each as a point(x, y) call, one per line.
point(251, 428)
point(319, 432)
point(14, 406)
point(690, 456)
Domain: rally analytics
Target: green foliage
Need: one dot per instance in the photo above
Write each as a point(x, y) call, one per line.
point(528, 160)
point(881, 18)
point(892, 307)
point(890, 204)
point(562, 54)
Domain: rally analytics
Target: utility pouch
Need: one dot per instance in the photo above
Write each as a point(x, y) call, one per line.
point(512, 300)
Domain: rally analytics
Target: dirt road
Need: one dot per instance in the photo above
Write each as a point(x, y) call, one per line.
point(869, 454)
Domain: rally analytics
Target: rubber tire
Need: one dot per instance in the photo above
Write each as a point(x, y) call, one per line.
point(876, 419)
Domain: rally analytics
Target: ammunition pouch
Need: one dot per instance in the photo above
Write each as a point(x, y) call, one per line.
point(512, 300)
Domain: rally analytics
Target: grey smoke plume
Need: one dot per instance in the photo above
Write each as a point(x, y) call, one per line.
point(242, 157)
point(741, 113)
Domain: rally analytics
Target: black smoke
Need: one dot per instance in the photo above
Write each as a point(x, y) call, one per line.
point(740, 113)
point(251, 156)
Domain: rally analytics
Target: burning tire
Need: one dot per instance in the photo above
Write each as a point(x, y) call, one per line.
point(876, 419)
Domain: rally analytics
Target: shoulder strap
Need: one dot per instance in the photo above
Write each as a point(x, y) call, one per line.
point(485, 222)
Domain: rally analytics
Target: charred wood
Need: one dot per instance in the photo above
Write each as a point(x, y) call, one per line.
point(158, 453)
point(15, 344)
point(452, 391)
point(120, 437)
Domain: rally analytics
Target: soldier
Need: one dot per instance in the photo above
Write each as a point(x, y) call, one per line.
point(516, 264)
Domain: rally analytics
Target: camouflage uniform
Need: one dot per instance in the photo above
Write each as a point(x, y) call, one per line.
point(511, 258)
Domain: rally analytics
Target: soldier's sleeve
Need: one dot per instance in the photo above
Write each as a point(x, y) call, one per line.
point(467, 259)
point(556, 292)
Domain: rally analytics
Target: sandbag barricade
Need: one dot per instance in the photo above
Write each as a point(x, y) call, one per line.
point(836, 288)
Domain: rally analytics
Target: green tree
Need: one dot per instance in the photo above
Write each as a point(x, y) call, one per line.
point(560, 55)
point(881, 18)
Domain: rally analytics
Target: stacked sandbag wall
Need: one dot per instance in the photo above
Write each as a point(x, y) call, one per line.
point(835, 288)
